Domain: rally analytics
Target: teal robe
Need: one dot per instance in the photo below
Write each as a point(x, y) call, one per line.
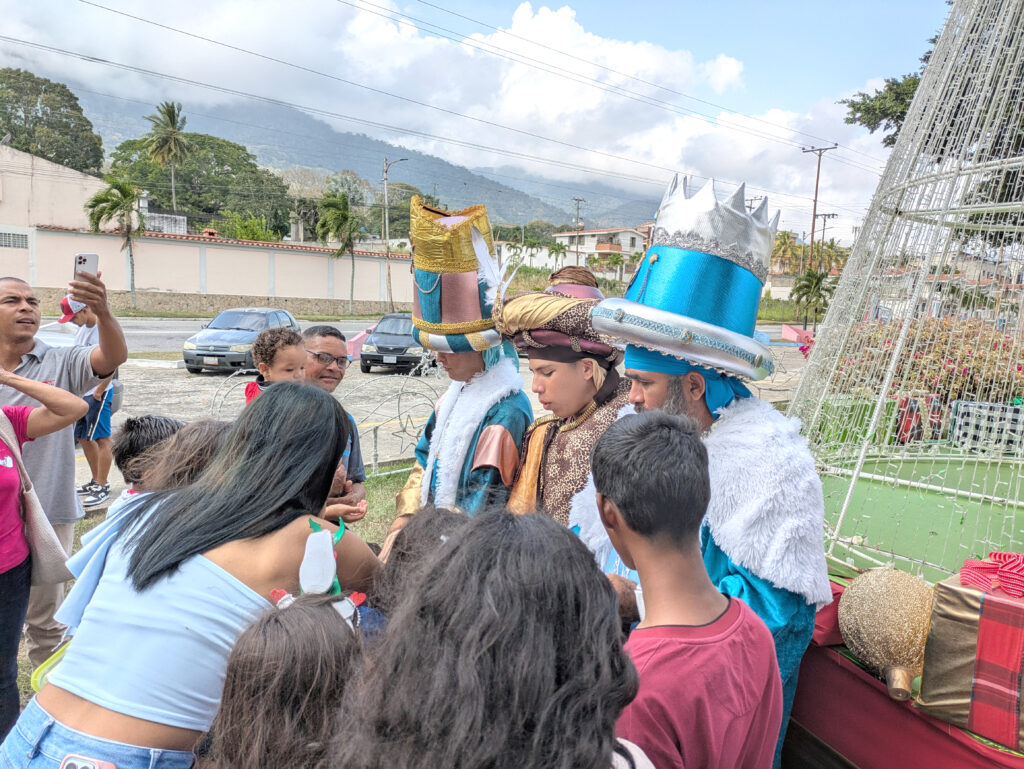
point(483, 483)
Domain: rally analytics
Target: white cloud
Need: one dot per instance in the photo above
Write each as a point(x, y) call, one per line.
point(723, 72)
point(546, 88)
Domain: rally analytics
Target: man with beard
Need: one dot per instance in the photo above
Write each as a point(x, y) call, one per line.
point(687, 321)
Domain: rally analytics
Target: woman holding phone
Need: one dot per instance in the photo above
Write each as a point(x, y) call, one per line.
point(58, 409)
point(185, 572)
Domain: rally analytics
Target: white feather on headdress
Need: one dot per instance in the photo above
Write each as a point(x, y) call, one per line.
point(490, 273)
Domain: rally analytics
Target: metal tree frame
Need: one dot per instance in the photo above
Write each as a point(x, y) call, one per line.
point(912, 397)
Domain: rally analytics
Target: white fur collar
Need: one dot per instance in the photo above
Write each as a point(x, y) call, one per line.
point(455, 428)
point(767, 510)
point(583, 512)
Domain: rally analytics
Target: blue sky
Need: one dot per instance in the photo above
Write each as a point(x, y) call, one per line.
point(793, 52)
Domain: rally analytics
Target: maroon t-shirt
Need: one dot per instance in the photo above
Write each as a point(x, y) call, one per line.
point(710, 696)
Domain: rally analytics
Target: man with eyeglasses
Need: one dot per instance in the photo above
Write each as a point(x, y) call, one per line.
point(326, 361)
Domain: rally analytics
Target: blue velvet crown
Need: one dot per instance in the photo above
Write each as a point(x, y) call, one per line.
point(696, 293)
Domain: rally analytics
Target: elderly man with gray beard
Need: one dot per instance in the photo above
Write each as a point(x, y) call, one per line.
point(687, 321)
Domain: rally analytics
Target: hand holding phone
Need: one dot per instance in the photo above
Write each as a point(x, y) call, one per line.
point(86, 263)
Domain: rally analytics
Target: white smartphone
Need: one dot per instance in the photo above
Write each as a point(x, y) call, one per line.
point(86, 263)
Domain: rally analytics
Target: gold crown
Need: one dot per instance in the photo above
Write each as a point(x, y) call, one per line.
point(442, 241)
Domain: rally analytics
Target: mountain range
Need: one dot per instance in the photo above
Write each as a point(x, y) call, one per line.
point(281, 137)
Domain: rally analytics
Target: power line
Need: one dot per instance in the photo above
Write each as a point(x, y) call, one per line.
point(632, 77)
point(503, 53)
point(531, 157)
point(355, 84)
point(384, 126)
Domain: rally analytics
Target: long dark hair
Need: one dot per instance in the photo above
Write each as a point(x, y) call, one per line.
point(182, 458)
point(428, 530)
point(507, 655)
point(276, 465)
point(285, 680)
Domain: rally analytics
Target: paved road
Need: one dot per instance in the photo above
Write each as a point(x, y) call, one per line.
point(160, 335)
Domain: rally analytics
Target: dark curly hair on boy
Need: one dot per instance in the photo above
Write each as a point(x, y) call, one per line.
point(265, 348)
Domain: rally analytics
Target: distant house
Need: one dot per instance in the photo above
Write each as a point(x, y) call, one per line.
point(162, 221)
point(586, 246)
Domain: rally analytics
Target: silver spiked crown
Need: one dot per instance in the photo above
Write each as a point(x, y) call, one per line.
point(694, 219)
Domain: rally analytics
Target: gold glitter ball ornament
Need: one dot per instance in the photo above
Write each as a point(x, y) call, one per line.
point(883, 616)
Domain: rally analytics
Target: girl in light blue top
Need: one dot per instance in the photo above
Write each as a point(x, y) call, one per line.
point(185, 572)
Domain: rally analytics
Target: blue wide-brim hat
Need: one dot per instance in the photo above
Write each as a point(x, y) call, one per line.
point(696, 293)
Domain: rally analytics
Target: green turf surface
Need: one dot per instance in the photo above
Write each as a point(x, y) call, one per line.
point(927, 508)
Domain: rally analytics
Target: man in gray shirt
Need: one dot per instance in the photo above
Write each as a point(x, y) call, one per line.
point(51, 460)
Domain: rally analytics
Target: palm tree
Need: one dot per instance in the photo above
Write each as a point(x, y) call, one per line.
point(515, 253)
point(119, 203)
point(557, 252)
point(338, 220)
point(166, 142)
point(616, 261)
point(634, 261)
point(812, 290)
point(784, 250)
point(532, 246)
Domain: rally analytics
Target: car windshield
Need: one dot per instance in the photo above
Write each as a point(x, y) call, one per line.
point(239, 321)
point(394, 326)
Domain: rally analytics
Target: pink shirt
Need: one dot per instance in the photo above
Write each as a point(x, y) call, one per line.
point(13, 546)
point(710, 696)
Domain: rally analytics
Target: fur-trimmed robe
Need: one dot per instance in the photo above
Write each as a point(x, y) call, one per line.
point(458, 477)
point(764, 532)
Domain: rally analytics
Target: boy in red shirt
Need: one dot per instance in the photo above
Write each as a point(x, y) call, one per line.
point(710, 692)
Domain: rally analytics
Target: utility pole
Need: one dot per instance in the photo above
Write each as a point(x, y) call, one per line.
point(753, 200)
point(814, 212)
point(824, 224)
point(579, 226)
point(387, 231)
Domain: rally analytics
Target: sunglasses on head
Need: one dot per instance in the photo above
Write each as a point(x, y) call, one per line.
point(326, 359)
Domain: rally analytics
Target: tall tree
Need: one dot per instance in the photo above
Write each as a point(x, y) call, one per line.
point(358, 190)
point(884, 109)
point(812, 291)
point(532, 246)
point(339, 222)
point(784, 250)
point(45, 119)
point(616, 261)
point(166, 141)
point(557, 252)
point(217, 176)
point(119, 203)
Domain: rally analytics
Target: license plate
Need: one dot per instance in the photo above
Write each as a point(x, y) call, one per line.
point(391, 359)
point(211, 361)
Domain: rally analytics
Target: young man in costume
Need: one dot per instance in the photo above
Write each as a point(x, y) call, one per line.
point(575, 378)
point(710, 693)
point(468, 454)
point(688, 321)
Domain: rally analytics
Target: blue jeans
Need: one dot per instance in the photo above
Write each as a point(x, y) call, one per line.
point(14, 585)
point(38, 741)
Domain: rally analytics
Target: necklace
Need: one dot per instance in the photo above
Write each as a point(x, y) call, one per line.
point(580, 418)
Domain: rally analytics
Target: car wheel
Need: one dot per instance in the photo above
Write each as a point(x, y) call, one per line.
point(364, 367)
point(194, 369)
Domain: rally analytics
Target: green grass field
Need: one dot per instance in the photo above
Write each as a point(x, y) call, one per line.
point(928, 509)
point(380, 493)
